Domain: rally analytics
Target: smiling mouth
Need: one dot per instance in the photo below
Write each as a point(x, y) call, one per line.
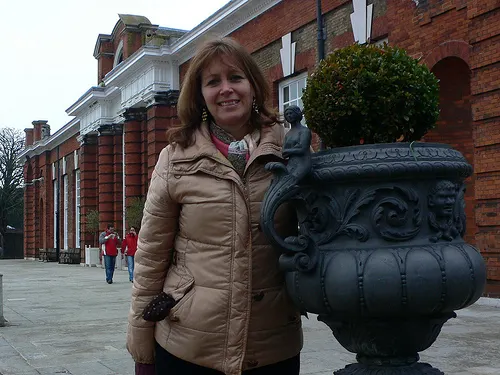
point(228, 103)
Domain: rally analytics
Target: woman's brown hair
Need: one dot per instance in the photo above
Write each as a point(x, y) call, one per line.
point(190, 104)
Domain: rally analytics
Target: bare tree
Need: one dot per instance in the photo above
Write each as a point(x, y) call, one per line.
point(11, 178)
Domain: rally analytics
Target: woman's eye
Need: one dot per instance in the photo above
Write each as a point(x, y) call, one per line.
point(212, 82)
point(236, 77)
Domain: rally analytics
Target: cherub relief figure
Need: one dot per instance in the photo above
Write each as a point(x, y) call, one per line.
point(442, 201)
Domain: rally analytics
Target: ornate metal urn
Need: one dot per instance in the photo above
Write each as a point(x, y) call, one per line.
point(379, 255)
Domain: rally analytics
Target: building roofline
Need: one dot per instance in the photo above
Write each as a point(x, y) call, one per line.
point(100, 39)
point(135, 58)
point(221, 23)
point(60, 136)
point(93, 93)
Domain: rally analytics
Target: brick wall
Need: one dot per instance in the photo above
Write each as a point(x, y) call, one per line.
point(109, 176)
point(454, 126)
point(88, 186)
point(457, 39)
point(484, 37)
point(44, 201)
point(133, 129)
point(470, 31)
point(29, 212)
point(160, 117)
point(39, 199)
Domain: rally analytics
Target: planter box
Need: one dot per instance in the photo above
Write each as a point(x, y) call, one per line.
point(91, 256)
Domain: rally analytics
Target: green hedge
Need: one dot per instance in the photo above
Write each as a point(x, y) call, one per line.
point(369, 94)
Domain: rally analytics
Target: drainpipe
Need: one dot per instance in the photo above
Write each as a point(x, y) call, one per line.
point(124, 228)
point(58, 189)
point(2, 319)
point(321, 45)
point(321, 36)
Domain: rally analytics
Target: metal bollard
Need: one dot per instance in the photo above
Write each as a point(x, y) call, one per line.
point(2, 319)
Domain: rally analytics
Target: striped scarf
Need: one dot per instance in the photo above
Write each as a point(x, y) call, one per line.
point(237, 152)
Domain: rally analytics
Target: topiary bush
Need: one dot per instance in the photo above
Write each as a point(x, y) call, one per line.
point(133, 213)
point(370, 94)
point(92, 224)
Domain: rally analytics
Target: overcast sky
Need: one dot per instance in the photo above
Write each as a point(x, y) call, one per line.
point(46, 59)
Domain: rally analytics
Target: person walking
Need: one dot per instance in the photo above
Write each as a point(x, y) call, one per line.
point(129, 247)
point(109, 241)
point(208, 296)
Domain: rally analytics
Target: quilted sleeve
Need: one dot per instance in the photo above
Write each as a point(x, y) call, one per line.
point(152, 259)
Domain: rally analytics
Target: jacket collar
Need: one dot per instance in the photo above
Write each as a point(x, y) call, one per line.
point(271, 140)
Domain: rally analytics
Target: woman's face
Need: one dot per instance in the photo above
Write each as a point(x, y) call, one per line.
point(228, 95)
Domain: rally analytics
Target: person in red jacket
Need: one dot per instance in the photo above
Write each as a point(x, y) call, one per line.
point(129, 246)
point(109, 241)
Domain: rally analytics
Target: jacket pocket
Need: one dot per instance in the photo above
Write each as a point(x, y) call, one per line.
point(178, 284)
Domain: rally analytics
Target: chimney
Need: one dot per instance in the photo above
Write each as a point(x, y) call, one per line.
point(45, 131)
point(29, 137)
point(37, 132)
point(104, 54)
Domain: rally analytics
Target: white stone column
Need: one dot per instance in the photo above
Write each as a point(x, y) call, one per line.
point(2, 319)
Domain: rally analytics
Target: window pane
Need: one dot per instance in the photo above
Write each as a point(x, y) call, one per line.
point(286, 94)
point(293, 91)
point(302, 85)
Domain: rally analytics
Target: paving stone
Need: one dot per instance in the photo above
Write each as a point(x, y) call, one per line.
point(65, 319)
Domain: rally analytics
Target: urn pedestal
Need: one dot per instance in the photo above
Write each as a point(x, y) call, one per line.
point(379, 254)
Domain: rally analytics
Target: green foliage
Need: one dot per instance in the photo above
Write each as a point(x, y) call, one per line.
point(92, 221)
point(133, 213)
point(92, 224)
point(369, 94)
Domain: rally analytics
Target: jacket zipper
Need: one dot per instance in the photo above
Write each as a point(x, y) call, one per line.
point(241, 183)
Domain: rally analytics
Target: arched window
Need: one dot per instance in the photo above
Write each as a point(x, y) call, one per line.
point(118, 54)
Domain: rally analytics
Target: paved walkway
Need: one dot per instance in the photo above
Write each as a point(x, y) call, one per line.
point(64, 319)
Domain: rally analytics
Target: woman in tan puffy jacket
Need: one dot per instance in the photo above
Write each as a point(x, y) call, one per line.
point(208, 297)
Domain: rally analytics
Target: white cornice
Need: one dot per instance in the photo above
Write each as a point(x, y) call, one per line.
point(62, 135)
point(136, 62)
point(95, 108)
point(93, 94)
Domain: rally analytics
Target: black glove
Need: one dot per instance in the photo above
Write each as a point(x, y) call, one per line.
point(159, 308)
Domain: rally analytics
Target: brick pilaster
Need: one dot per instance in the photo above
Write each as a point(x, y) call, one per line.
point(134, 166)
point(35, 188)
point(44, 199)
point(144, 158)
point(88, 186)
point(105, 175)
point(162, 114)
point(29, 213)
point(118, 178)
